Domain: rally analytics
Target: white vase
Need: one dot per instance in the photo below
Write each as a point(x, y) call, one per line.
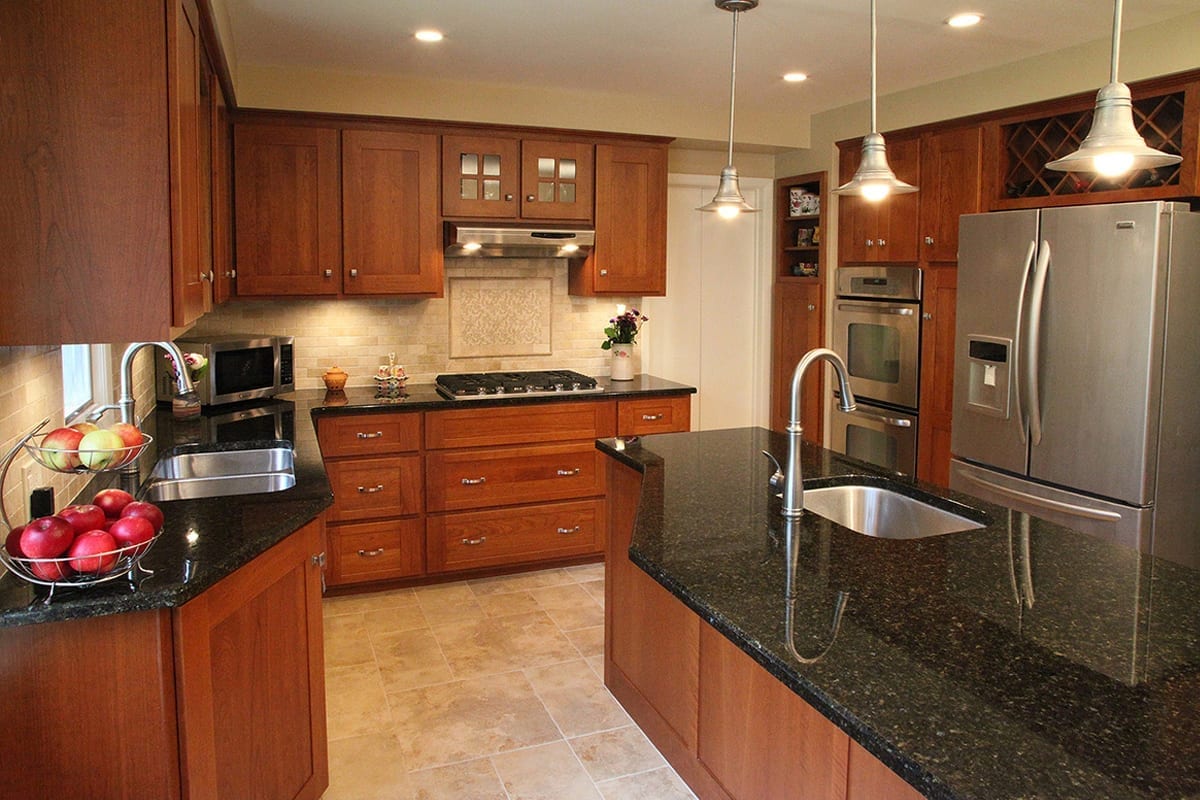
point(622, 362)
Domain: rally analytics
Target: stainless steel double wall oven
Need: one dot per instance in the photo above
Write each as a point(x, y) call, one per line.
point(877, 330)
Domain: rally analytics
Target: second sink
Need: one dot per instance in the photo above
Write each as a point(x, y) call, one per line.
point(883, 513)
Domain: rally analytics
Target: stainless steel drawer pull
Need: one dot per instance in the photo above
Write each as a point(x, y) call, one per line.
point(474, 481)
point(651, 417)
point(370, 489)
point(566, 473)
point(378, 551)
point(473, 542)
point(566, 531)
point(374, 435)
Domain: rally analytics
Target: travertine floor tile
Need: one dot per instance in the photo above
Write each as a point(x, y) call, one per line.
point(346, 641)
point(355, 702)
point(507, 604)
point(473, 780)
point(549, 772)
point(366, 768)
point(448, 602)
point(502, 644)
point(589, 641)
point(409, 659)
point(596, 590)
point(520, 582)
point(616, 753)
point(466, 719)
point(587, 572)
point(568, 595)
point(372, 601)
point(659, 784)
point(395, 618)
point(576, 698)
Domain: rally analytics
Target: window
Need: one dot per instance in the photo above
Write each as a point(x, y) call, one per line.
point(87, 381)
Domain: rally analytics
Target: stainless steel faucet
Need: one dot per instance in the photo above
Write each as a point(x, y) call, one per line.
point(793, 482)
point(183, 380)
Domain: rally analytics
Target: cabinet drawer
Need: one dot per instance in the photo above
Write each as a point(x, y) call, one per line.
point(368, 434)
point(514, 535)
point(548, 422)
point(654, 415)
point(474, 479)
point(375, 551)
point(375, 487)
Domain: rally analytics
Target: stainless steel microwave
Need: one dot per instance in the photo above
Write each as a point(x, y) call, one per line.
point(240, 367)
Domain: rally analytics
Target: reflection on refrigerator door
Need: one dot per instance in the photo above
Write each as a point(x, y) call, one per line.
point(877, 435)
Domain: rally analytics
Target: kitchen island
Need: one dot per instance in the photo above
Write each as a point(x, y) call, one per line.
point(1017, 660)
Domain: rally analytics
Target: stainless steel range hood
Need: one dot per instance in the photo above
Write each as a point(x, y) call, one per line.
point(473, 240)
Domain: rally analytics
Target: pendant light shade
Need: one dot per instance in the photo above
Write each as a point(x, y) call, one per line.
point(728, 201)
point(874, 179)
point(1113, 145)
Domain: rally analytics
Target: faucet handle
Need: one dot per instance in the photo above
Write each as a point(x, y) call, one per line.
point(777, 479)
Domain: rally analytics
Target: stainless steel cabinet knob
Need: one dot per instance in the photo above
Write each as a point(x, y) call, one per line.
point(508, 197)
point(207, 276)
point(529, 198)
point(928, 240)
point(927, 315)
point(870, 242)
point(328, 273)
point(603, 272)
point(883, 242)
point(812, 307)
point(353, 273)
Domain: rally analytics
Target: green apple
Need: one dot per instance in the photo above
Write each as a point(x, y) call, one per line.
point(100, 449)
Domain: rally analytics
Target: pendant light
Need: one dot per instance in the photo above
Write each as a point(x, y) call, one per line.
point(1113, 145)
point(728, 201)
point(874, 179)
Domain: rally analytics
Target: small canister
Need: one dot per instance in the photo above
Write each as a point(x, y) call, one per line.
point(335, 379)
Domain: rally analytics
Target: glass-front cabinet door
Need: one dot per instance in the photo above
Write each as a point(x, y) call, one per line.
point(480, 176)
point(557, 180)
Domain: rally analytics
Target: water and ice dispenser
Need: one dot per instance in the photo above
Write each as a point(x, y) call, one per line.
point(990, 360)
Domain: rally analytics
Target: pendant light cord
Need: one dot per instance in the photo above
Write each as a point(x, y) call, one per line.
point(874, 128)
point(1116, 40)
point(733, 82)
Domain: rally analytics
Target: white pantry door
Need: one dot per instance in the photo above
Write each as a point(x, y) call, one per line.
point(713, 328)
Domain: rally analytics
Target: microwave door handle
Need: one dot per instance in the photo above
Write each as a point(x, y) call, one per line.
point(1027, 268)
point(1033, 349)
point(876, 309)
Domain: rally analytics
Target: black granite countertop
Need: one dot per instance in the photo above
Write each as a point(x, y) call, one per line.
point(1018, 660)
point(204, 540)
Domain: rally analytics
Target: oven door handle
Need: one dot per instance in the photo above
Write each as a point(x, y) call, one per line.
point(895, 422)
point(899, 311)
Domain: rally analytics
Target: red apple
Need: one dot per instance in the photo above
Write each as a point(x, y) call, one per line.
point(13, 542)
point(83, 518)
point(60, 449)
point(51, 570)
point(132, 437)
point(100, 449)
point(150, 511)
point(92, 551)
point(46, 537)
point(112, 501)
point(129, 531)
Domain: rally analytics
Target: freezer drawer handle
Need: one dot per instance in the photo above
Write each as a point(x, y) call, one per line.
point(899, 312)
point(1045, 502)
point(474, 481)
point(895, 422)
point(378, 551)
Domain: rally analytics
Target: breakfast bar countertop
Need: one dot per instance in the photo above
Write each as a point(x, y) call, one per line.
point(1018, 660)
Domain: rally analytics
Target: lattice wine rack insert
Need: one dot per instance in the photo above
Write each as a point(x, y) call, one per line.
point(1031, 144)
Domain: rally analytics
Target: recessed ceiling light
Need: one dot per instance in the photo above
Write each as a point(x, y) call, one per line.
point(964, 20)
point(795, 77)
point(428, 36)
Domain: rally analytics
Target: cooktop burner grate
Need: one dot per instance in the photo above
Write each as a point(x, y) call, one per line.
point(476, 385)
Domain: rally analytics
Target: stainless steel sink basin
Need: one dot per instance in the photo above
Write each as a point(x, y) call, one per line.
point(883, 513)
point(221, 473)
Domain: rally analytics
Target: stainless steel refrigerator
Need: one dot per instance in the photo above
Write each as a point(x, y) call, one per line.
point(1077, 366)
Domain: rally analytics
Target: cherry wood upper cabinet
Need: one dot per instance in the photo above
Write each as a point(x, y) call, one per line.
point(287, 208)
point(187, 188)
point(390, 230)
point(951, 185)
point(481, 176)
point(883, 232)
point(630, 255)
point(557, 180)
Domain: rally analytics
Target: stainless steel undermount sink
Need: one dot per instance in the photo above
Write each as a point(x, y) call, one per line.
point(220, 473)
point(874, 510)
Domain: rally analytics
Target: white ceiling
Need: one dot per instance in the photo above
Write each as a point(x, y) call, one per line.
point(674, 48)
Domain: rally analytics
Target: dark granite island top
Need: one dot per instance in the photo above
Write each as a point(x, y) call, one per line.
point(1019, 660)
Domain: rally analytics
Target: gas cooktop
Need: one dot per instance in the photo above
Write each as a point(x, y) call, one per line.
point(481, 385)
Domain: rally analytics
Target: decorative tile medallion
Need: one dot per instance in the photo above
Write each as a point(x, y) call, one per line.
point(499, 317)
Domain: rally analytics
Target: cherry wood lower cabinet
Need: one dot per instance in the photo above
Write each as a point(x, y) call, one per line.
point(250, 678)
point(645, 416)
point(797, 326)
point(729, 728)
point(503, 536)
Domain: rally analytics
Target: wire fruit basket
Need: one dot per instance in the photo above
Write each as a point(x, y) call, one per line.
point(82, 570)
point(63, 459)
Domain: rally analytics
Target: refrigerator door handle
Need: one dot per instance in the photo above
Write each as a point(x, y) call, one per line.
point(1034, 344)
point(1016, 355)
point(1043, 502)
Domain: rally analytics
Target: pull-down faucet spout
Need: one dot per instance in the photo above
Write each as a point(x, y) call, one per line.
point(793, 486)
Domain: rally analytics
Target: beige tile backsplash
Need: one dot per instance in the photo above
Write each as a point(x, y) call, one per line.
point(358, 334)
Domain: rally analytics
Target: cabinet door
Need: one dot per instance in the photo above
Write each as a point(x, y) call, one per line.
point(287, 206)
point(869, 779)
point(856, 217)
point(797, 327)
point(896, 227)
point(951, 185)
point(480, 176)
point(222, 197)
point(937, 375)
point(188, 183)
point(251, 677)
point(392, 241)
point(366, 488)
point(557, 180)
point(630, 256)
